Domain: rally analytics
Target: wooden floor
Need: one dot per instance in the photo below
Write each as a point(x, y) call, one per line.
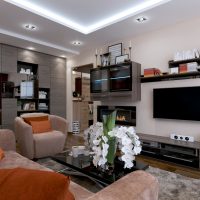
point(74, 140)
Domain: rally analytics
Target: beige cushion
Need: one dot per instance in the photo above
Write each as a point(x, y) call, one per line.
point(48, 143)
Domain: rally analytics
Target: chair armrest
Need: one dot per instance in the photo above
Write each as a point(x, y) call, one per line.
point(7, 140)
point(59, 123)
point(138, 185)
point(24, 137)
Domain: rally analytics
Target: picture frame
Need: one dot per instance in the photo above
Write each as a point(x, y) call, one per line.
point(114, 50)
point(121, 59)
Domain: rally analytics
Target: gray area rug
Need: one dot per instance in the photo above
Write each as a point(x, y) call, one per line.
point(172, 186)
point(175, 186)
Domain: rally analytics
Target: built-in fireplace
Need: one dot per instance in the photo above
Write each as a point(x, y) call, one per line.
point(126, 115)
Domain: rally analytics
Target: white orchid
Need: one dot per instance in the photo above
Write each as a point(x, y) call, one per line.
point(105, 139)
point(126, 140)
point(105, 150)
point(128, 143)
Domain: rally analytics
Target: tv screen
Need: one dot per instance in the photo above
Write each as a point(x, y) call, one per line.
point(177, 103)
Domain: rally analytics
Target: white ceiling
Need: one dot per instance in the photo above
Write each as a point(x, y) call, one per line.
point(55, 38)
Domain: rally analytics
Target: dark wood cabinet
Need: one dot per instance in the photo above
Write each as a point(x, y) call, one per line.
point(120, 80)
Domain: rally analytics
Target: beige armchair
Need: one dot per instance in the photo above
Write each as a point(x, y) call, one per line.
point(43, 144)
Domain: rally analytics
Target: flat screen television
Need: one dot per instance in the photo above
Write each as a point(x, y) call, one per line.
point(177, 103)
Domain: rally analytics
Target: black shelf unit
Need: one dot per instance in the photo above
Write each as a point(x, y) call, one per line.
point(39, 104)
point(169, 77)
point(177, 63)
point(44, 101)
point(24, 65)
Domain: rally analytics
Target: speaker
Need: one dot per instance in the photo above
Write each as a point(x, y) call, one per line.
point(182, 137)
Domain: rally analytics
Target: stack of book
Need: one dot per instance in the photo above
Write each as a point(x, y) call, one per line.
point(151, 72)
point(188, 67)
point(43, 106)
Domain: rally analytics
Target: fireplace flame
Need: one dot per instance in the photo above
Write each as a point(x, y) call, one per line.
point(121, 118)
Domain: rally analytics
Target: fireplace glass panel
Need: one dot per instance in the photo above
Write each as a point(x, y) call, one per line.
point(126, 115)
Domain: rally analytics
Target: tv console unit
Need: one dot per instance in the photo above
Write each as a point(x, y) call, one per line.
point(164, 148)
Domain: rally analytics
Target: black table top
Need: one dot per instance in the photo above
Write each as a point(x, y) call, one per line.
point(83, 164)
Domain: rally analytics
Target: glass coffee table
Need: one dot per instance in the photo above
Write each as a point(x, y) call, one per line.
point(82, 166)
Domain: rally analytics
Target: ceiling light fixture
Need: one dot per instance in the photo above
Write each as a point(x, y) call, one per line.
point(76, 43)
point(63, 56)
point(31, 48)
point(30, 27)
point(141, 19)
point(34, 8)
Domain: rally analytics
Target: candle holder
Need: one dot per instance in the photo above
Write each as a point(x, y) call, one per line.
point(130, 52)
point(96, 56)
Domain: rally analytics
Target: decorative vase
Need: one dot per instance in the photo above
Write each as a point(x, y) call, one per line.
point(108, 125)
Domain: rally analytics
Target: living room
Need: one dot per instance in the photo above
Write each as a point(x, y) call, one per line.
point(151, 36)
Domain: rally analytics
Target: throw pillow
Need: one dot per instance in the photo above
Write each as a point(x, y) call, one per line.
point(1, 154)
point(29, 184)
point(35, 118)
point(41, 126)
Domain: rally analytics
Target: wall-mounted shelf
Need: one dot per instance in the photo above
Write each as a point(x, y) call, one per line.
point(177, 63)
point(169, 77)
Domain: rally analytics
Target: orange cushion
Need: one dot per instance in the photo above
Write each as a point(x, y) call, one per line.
point(1, 154)
point(38, 118)
point(28, 184)
point(41, 126)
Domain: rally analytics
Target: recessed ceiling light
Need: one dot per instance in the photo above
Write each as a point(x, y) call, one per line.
point(76, 43)
point(141, 19)
point(31, 48)
point(30, 27)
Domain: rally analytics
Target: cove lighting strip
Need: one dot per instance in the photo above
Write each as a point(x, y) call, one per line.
point(19, 36)
point(30, 6)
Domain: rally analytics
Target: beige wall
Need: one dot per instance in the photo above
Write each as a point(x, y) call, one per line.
point(155, 49)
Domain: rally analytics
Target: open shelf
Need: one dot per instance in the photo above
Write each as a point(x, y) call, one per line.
point(27, 68)
point(177, 63)
point(169, 77)
point(166, 149)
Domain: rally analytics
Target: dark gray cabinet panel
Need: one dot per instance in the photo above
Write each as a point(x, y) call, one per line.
point(44, 76)
point(44, 59)
point(58, 68)
point(9, 59)
point(28, 56)
point(9, 112)
point(58, 97)
point(58, 84)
